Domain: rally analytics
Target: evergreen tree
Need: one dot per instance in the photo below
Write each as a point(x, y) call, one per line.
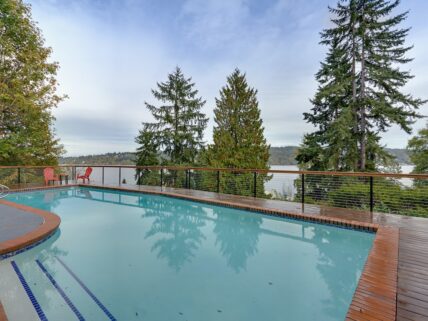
point(333, 144)
point(27, 90)
point(179, 123)
point(360, 87)
point(418, 151)
point(146, 155)
point(239, 140)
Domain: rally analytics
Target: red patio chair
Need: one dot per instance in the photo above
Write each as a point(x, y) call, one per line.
point(49, 175)
point(85, 176)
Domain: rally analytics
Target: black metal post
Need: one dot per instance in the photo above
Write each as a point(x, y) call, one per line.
point(303, 188)
point(161, 177)
point(102, 174)
point(218, 181)
point(371, 194)
point(188, 178)
point(255, 185)
point(120, 175)
point(19, 175)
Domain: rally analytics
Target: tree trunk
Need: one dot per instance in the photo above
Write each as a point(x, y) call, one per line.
point(362, 101)
point(354, 87)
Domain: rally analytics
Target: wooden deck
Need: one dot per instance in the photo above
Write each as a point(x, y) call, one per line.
point(412, 296)
point(394, 284)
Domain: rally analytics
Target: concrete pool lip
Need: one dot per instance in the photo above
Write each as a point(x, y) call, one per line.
point(40, 224)
point(376, 292)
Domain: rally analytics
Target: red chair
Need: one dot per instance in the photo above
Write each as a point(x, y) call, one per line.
point(86, 175)
point(49, 175)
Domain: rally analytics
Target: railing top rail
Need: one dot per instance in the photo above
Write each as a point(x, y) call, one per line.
point(236, 170)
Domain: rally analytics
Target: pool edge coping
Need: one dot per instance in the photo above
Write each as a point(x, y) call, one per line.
point(49, 225)
point(371, 227)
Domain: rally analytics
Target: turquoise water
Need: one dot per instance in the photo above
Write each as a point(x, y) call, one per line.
point(145, 257)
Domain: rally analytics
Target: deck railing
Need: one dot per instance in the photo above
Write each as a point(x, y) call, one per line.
point(405, 194)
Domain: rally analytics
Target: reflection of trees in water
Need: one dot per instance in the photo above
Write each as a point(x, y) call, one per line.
point(237, 235)
point(180, 225)
point(338, 267)
point(46, 200)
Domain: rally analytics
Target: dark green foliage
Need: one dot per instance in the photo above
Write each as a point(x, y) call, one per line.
point(179, 124)
point(239, 140)
point(418, 151)
point(359, 94)
point(390, 195)
point(27, 90)
point(146, 155)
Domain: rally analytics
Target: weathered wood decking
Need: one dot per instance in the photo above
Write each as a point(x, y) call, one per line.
point(383, 293)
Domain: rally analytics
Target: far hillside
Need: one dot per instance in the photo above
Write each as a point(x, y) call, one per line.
point(101, 159)
point(278, 156)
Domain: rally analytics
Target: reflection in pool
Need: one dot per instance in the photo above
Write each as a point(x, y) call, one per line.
point(145, 257)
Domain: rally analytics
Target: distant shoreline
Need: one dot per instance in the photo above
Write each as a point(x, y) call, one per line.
point(279, 156)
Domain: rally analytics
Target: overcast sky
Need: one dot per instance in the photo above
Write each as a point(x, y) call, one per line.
point(112, 52)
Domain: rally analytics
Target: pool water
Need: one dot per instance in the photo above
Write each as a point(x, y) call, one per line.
point(131, 256)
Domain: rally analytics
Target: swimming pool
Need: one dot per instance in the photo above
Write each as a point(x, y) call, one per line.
point(132, 256)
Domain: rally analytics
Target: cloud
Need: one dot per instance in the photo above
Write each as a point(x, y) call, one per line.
point(113, 52)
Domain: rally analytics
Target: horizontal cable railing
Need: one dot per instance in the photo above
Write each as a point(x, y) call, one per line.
point(405, 194)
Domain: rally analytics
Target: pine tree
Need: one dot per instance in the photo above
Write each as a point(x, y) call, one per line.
point(27, 90)
point(179, 123)
point(238, 137)
point(368, 36)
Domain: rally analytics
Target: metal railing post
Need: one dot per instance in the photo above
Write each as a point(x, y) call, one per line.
point(188, 178)
point(371, 194)
point(218, 181)
point(120, 175)
point(102, 179)
point(255, 185)
point(19, 175)
point(161, 177)
point(303, 189)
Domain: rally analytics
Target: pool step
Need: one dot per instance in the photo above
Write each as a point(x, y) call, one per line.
point(14, 298)
point(49, 290)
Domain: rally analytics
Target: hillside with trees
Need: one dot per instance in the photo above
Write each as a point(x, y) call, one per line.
point(278, 156)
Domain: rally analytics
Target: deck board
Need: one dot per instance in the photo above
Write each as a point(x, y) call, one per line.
point(412, 290)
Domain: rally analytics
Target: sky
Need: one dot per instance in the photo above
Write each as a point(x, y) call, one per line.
point(113, 52)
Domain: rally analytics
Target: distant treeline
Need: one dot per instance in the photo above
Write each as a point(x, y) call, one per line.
point(278, 156)
point(109, 158)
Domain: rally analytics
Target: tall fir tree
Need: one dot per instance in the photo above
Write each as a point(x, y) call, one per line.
point(179, 122)
point(27, 90)
point(238, 137)
point(367, 35)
